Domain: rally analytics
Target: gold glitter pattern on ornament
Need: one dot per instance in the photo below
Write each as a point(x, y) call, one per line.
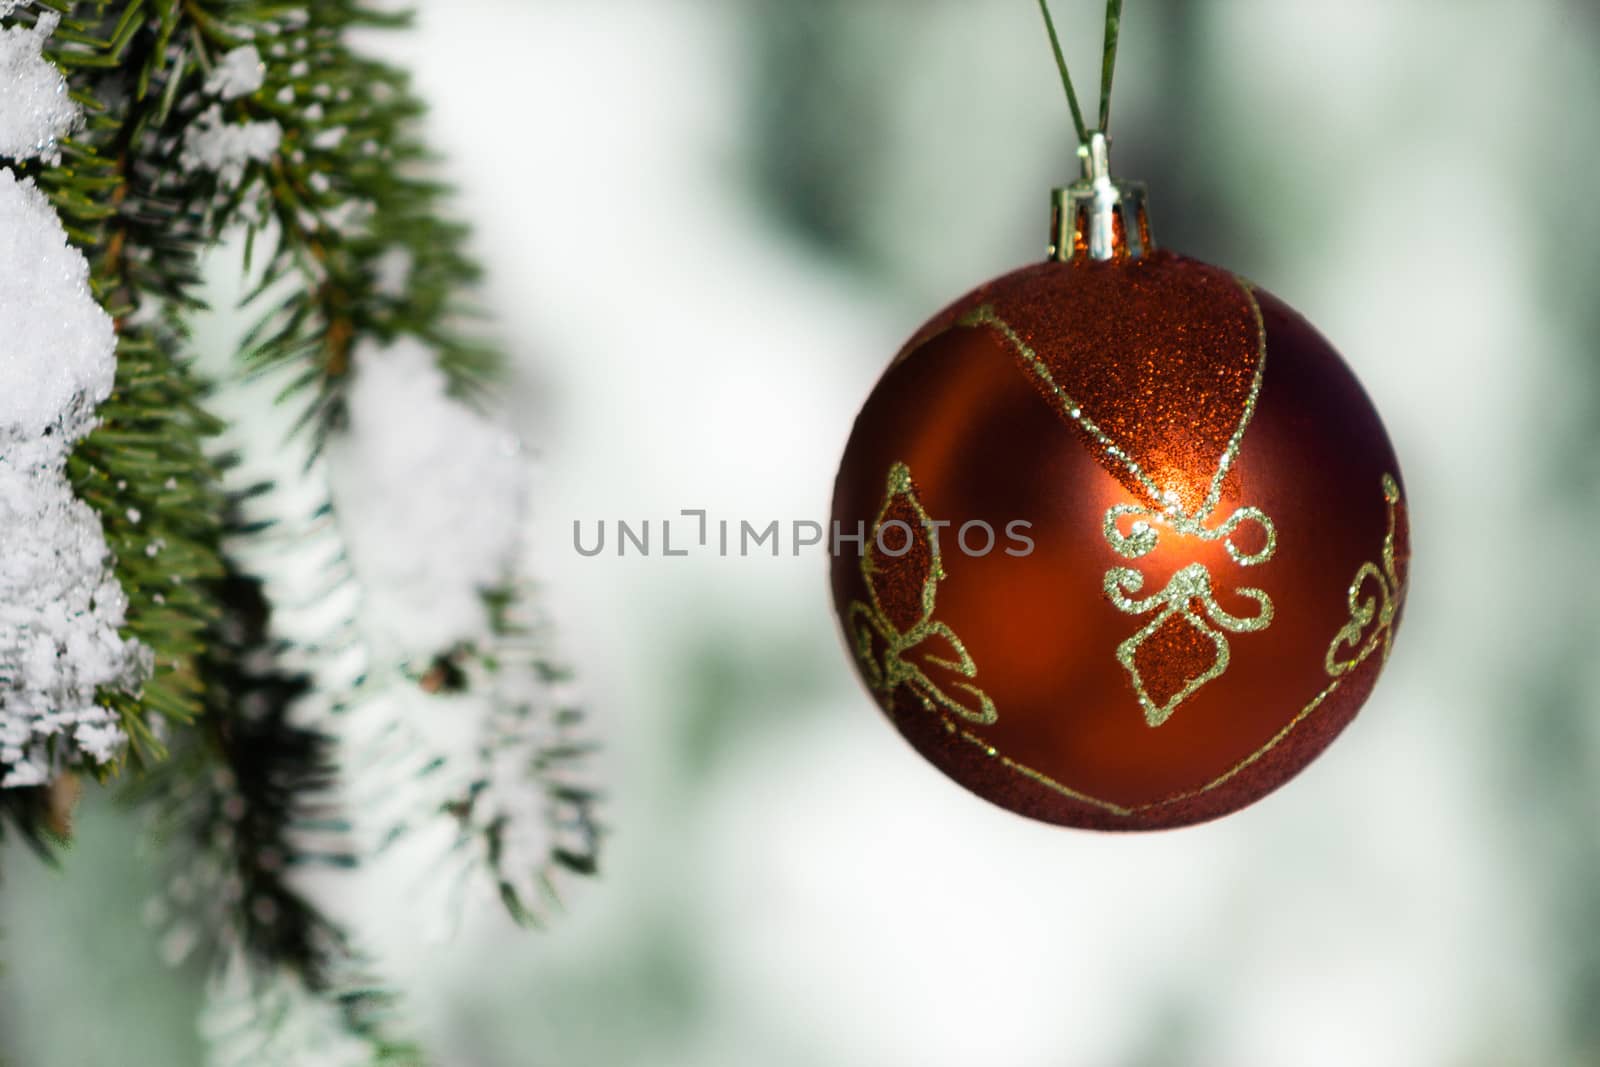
point(1044, 779)
point(1184, 646)
point(1164, 392)
point(1141, 537)
point(895, 636)
point(1380, 637)
point(1177, 668)
point(1166, 661)
point(1382, 607)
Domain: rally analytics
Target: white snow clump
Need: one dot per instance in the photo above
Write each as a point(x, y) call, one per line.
point(60, 605)
point(239, 73)
point(211, 143)
point(35, 110)
point(430, 494)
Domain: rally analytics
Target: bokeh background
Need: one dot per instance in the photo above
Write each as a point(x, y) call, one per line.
point(708, 224)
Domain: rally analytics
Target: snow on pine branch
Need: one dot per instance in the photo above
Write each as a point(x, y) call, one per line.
point(529, 813)
point(272, 1019)
point(430, 495)
point(60, 605)
point(273, 1000)
point(212, 143)
point(298, 549)
point(239, 73)
point(35, 110)
point(438, 729)
point(440, 707)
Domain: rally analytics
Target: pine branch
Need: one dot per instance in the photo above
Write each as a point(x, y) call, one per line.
point(344, 195)
point(272, 1020)
point(240, 791)
point(533, 734)
point(290, 540)
point(246, 801)
point(347, 195)
point(316, 151)
point(35, 819)
point(144, 469)
point(288, 667)
point(245, 807)
point(521, 810)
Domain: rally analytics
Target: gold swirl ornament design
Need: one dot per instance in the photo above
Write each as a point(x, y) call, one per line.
point(1380, 607)
point(1187, 598)
point(1190, 586)
point(1378, 612)
point(927, 644)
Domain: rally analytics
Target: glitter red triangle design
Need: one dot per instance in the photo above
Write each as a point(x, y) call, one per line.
point(1172, 408)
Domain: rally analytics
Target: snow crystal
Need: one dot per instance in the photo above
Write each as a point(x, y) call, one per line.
point(430, 496)
point(210, 143)
point(328, 138)
point(35, 110)
point(348, 216)
point(240, 73)
point(391, 272)
point(60, 606)
point(57, 341)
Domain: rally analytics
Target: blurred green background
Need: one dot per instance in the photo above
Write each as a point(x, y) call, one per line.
point(708, 225)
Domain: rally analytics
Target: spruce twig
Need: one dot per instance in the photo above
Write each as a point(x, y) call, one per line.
point(144, 470)
point(341, 196)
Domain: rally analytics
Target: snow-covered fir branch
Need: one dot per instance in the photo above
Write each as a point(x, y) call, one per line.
point(130, 425)
point(271, 1019)
point(367, 289)
point(381, 556)
point(244, 799)
point(61, 607)
point(525, 841)
point(247, 808)
point(354, 663)
point(391, 558)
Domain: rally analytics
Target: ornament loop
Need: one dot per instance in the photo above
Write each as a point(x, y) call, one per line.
point(1097, 217)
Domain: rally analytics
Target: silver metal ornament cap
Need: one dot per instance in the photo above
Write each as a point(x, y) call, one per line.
point(1097, 218)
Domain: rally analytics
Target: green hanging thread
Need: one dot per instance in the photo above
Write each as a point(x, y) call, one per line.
point(1108, 65)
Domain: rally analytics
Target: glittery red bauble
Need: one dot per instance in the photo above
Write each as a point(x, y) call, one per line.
point(1199, 542)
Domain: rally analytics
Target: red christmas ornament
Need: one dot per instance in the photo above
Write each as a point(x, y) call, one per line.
point(1134, 539)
